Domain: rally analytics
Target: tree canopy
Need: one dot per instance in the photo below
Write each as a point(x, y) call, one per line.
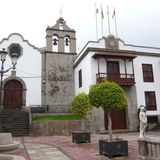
point(81, 104)
point(107, 95)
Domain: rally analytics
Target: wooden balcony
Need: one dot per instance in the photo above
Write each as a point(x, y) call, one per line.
point(121, 79)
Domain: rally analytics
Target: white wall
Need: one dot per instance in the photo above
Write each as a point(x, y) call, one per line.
point(147, 86)
point(85, 66)
point(28, 67)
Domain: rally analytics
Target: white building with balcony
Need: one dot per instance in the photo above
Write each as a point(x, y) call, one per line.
point(134, 68)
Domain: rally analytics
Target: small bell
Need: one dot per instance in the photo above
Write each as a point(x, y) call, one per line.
point(55, 41)
point(67, 42)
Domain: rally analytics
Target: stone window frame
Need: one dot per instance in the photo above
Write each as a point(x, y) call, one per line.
point(150, 100)
point(147, 70)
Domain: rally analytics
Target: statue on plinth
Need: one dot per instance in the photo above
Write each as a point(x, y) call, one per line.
point(143, 121)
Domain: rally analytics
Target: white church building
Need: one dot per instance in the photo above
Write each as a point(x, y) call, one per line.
point(21, 86)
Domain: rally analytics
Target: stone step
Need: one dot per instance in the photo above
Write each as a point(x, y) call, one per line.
point(16, 122)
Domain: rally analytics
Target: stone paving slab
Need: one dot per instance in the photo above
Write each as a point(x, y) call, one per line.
point(83, 151)
point(38, 151)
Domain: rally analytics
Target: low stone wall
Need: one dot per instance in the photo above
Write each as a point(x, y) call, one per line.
point(149, 149)
point(58, 127)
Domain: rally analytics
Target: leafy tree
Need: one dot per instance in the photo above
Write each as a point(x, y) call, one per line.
point(107, 95)
point(81, 105)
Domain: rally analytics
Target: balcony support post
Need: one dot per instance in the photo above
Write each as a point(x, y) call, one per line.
point(106, 66)
point(132, 67)
point(125, 68)
point(98, 66)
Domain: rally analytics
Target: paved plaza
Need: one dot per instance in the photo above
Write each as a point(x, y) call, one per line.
point(62, 147)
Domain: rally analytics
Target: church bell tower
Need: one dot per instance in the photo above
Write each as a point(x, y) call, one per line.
point(57, 67)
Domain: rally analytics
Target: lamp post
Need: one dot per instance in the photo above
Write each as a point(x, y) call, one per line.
point(3, 55)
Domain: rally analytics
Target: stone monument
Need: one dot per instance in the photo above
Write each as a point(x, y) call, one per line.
point(149, 147)
point(143, 121)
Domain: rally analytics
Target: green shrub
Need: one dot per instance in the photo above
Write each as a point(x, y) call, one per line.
point(81, 104)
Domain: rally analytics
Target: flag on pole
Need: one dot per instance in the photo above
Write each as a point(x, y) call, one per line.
point(96, 12)
point(108, 19)
point(114, 13)
point(115, 19)
point(96, 9)
point(102, 15)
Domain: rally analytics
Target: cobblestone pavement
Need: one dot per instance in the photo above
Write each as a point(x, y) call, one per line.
point(62, 147)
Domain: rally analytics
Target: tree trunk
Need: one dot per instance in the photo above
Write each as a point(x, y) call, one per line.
point(82, 124)
point(109, 125)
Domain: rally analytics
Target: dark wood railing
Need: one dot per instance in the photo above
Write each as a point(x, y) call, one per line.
point(121, 79)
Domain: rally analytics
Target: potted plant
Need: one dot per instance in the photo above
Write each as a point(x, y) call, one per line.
point(82, 106)
point(109, 95)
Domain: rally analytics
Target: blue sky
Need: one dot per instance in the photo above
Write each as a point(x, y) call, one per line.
point(137, 20)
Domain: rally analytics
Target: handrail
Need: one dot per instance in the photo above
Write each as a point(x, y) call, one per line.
point(121, 78)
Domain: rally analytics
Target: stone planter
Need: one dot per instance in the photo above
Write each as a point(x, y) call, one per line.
point(114, 148)
point(81, 137)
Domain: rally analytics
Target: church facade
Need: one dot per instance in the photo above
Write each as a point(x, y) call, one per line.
point(21, 87)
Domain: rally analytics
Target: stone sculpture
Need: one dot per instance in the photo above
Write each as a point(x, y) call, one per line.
point(143, 121)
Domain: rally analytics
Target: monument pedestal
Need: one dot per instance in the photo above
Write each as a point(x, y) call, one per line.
point(149, 149)
point(6, 142)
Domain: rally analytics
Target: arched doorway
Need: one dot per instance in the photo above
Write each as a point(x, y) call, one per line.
point(13, 95)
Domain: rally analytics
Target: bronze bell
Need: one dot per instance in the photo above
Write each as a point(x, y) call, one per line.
point(67, 42)
point(55, 41)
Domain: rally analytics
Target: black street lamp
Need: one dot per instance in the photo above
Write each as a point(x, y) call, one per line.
point(3, 55)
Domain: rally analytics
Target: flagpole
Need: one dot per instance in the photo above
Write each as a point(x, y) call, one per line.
point(108, 20)
point(115, 21)
point(116, 25)
point(102, 16)
point(96, 12)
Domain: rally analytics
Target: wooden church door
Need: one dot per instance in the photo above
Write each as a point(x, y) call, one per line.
point(13, 94)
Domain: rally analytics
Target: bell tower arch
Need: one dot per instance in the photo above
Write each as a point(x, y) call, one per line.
point(57, 67)
point(65, 36)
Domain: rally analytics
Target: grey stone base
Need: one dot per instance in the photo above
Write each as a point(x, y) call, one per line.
point(11, 157)
point(146, 158)
point(149, 148)
point(13, 145)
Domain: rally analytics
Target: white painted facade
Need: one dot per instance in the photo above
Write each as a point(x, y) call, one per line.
point(28, 67)
point(144, 55)
point(141, 86)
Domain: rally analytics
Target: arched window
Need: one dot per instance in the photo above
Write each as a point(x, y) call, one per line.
point(66, 44)
point(55, 43)
point(15, 48)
